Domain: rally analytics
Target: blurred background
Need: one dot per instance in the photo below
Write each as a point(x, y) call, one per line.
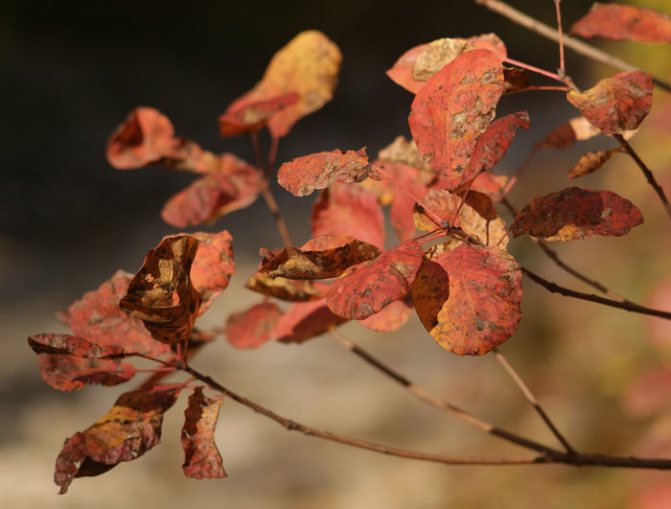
point(71, 71)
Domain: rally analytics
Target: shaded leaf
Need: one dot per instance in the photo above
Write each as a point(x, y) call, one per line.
point(490, 184)
point(575, 213)
point(453, 109)
point(404, 152)
point(282, 288)
point(616, 104)
point(590, 162)
point(345, 209)
point(515, 80)
point(65, 344)
point(253, 327)
point(70, 373)
point(468, 298)
point(303, 175)
point(251, 115)
point(390, 318)
point(368, 287)
point(213, 265)
point(202, 459)
point(305, 320)
point(162, 294)
point(624, 22)
point(128, 430)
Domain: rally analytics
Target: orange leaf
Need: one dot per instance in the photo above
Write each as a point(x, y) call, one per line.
point(468, 298)
point(616, 104)
point(212, 266)
point(253, 327)
point(389, 318)
point(202, 459)
point(624, 22)
point(70, 373)
point(453, 109)
point(250, 115)
point(575, 213)
point(305, 320)
point(590, 162)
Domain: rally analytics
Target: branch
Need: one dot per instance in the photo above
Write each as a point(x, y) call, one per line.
point(576, 45)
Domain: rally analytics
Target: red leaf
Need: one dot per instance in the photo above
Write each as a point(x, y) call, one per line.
point(128, 430)
point(575, 213)
point(389, 318)
point(98, 318)
point(250, 115)
point(468, 298)
point(453, 109)
point(345, 209)
point(202, 459)
point(590, 162)
point(616, 104)
point(653, 495)
point(367, 288)
point(303, 175)
point(649, 394)
point(490, 184)
point(253, 327)
point(624, 22)
point(305, 320)
point(212, 266)
point(72, 345)
point(69, 373)
point(282, 288)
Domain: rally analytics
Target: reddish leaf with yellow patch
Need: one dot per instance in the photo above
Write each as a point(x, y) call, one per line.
point(305, 320)
point(250, 115)
point(69, 373)
point(624, 22)
point(202, 459)
point(345, 209)
point(162, 294)
point(390, 318)
point(212, 266)
point(453, 109)
point(282, 288)
point(368, 287)
point(468, 298)
point(128, 430)
point(590, 162)
point(307, 66)
point(252, 327)
point(303, 175)
point(616, 104)
point(66, 344)
point(575, 213)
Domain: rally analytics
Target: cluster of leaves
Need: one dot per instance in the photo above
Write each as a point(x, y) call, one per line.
point(456, 273)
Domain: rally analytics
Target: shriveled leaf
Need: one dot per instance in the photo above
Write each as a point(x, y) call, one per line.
point(616, 104)
point(390, 318)
point(515, 80)
point(202, 459)
point(98, 318)
point(453, 109)
point(590, 162)
point(308, 66)
point(212, 266)
point(162, 294)
point(468, 298)
point(251, 115)
point(69, 373)
point(67, 344)
point(321, 258)
point(128, 430)
point(306, 320)
point(575, 213)
point(282, 288)
point(624, 22)
point(303, 175)
point(344, 209)
point(252, 327)
point(367, 288)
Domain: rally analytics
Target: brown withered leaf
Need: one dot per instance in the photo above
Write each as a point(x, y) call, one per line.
point(565, 135)
point(212, 266)
point(590, 162)
point(624, 22)
point(303, 175)
point(306, 320)
point(162, 294)
point(128, 430)
point(368, 287)
point(616, 104)
point(390, 318)
point(468, 298)
point(249, 116)
point(453, 109)
point(66, 344)
point(97, 317)
point(321, 258)
point(291, 290)
point(515, 80)
point(252, 327)
point(202, 459)
point(344, 209)
point(308, 66)
point(575, 213)
point(69, 373)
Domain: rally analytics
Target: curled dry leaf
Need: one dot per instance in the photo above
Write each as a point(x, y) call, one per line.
point(306, 320)
point(453, 109)
point(344, 209)
point(515, 80)
point(212, 266)
point(202, 459)
point(128, 430)
point(368, 287)
point(321, 258)
point(282, 288)
point(70, 373)
point(66, 344)
point(616, 104)
point(628, 22)
point(468, 298)
point(307, 66)
point(575, 213)
point(253, 327)
point(390, 318)
point(590, 162)
point(161, 294)
point(303, 175)
point(249, 116)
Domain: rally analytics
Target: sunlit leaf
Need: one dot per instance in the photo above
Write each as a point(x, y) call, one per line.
point(282, 288)
point(390, 318)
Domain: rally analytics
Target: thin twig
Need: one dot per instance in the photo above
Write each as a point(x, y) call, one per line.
point(539, 88)
point(560, 38)
point(524, 389)
point(576, 45)
point(535, 69)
